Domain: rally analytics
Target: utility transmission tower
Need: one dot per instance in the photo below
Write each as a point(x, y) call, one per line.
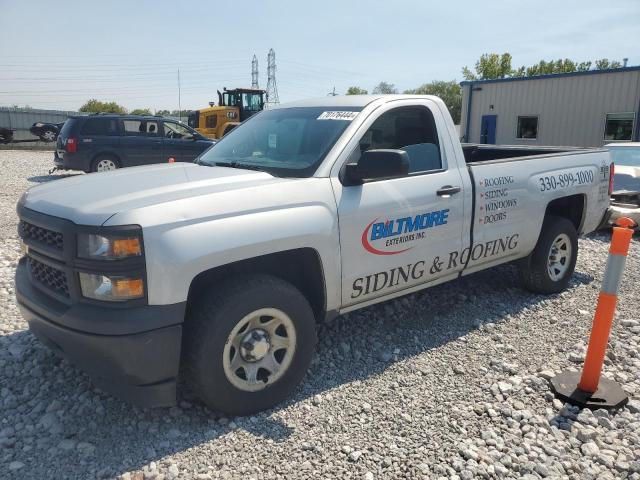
point(254, 72)
point(272, 88)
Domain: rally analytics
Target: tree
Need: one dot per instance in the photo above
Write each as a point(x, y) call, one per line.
point(180, 113)
point(356, 91)
point(96, 106)
point(385, 88)
point(493, 65)
point(164, 113)
point(490, 66)
point(141, 111)
point(605, 63)
point(450, 93)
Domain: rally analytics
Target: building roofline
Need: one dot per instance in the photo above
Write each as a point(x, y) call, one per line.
point(552, 75)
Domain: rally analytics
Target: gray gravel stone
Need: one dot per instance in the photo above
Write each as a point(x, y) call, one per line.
point(447, 383)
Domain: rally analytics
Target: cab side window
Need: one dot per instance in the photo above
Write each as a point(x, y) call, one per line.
point(176, 131)
point(412, 129)
point(99, 126)
point(144, 128)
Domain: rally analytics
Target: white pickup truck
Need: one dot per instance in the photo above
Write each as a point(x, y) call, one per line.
point(217, 271)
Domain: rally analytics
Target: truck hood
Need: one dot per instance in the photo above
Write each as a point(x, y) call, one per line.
point(92, 199)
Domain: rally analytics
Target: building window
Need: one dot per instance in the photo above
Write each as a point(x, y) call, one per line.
point(527, 128)
point(619, 126)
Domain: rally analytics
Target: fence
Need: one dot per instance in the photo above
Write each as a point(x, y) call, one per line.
point(21, 119)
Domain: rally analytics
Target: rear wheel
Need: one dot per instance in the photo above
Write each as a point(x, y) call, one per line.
point(549, 267)
point(248, 344)
point(104, 164)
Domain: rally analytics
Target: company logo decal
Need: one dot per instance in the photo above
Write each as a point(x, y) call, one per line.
point(384, 238)
point(406, 275)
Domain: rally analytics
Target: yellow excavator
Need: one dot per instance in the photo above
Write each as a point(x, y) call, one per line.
point(234, 107)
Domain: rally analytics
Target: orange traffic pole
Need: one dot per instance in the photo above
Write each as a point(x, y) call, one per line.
point(606, 307)
point(591, 390)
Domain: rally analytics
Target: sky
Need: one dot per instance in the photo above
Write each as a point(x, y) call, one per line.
point(57, 55)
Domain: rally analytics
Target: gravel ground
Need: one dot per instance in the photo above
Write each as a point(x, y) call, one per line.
point(448, 383)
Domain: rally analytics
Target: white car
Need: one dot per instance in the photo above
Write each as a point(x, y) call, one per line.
point(625, 199)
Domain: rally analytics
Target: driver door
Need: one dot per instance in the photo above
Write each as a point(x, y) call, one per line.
point(399, 233)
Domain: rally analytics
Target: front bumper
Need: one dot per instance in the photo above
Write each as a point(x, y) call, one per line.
point(140, 367)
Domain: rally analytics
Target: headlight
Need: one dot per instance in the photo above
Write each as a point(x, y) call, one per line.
point(93, 246)
point(113, 288)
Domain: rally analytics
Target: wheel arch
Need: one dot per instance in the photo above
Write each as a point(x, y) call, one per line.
point(301, 267)
point(106, 153)
point(571, 207)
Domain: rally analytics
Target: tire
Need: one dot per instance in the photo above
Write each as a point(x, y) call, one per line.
point(104, 163)
point(546, 270)
point(49, 136)
point(215, 324)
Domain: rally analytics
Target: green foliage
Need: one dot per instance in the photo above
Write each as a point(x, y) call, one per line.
point(385, 88)
point(180, 113)
point(96, 106)
point(164, 113)
point(356, 91)
point(605, 63)
point(450, 93)
point(493, 65)
point(490, 66)
point(555, 66)
point(141, 111)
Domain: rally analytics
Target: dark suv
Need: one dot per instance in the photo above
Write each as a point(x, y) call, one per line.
point(97, 143)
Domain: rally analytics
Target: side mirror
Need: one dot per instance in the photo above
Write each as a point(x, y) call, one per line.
point(377, 164)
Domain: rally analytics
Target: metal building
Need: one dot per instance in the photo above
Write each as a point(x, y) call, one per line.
point(584, 109)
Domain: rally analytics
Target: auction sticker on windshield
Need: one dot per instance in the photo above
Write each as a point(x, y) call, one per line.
point(338, 115)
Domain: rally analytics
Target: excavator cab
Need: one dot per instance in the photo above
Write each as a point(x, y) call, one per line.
point(234, 106)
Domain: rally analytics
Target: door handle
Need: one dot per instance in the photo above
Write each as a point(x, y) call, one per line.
point(448, 190)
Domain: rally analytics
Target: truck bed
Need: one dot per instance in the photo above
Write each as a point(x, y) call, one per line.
point(477, 153)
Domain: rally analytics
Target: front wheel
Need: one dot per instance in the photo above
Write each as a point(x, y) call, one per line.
point(549, 267)
point(248, 344)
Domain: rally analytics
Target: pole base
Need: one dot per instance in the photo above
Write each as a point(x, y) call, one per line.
point(609, 395)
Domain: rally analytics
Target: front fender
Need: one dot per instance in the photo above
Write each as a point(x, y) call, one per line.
point(178, 253)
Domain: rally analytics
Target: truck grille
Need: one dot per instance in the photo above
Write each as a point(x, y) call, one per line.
point(50, 277)
point(41, 235)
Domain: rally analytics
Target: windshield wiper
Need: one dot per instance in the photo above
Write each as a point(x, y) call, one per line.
point(242, 166)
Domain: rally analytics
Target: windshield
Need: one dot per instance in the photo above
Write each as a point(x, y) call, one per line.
point(627, 156)
point(286, 142)
point(252, 101)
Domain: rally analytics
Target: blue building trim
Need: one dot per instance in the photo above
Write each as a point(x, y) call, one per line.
point(552, 75)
